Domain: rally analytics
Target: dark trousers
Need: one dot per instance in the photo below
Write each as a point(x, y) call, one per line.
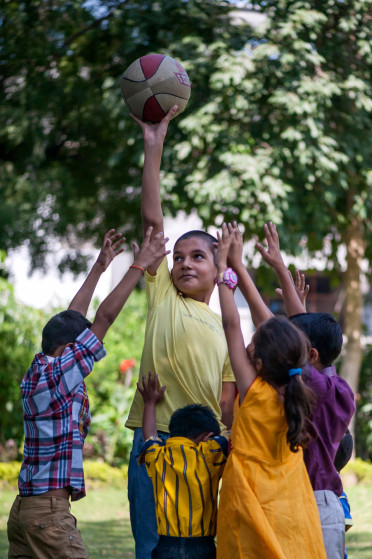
point(184, 548)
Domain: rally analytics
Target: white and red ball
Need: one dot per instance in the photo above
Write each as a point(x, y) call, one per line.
point(153, 84)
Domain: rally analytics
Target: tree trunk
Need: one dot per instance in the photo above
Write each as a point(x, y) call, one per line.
point(352, 359)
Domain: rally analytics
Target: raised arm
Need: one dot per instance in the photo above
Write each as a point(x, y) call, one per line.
point(151, 209)
point(302, 288)
point(242, 367)
point(110, 248)
point(151, 250)
point(259, 310)
point(272, 255)
point(151, 395)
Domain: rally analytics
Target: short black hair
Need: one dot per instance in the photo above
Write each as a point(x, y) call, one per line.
point(209, 239)
point(324, 333)
point(193, 420)
point(63, 328)
point(344, 451)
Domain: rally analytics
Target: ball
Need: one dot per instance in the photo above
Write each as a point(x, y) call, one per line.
point(153, 84)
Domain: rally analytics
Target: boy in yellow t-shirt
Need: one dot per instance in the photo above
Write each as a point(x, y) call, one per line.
point(185, 473)
point(184, 340)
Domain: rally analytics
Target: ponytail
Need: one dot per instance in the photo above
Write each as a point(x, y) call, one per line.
point(283, 350)
point(298, 400)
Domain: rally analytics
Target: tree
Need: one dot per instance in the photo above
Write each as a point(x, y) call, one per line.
point(71, 154)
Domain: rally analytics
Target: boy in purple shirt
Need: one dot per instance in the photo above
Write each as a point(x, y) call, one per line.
point(56, 411)
point(335, 400)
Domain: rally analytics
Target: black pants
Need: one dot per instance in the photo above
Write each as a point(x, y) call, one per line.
point(184, 548)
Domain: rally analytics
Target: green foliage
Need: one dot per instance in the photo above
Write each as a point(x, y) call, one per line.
point(71, 153)
point(9, 472)
point(99, 474)
point(362, 470)
point(111, 391)
point(96, 474)
point(20, 337)
point(363, 416)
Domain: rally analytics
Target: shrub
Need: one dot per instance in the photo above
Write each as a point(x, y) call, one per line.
point(362, 470)
point(9, 472)
point(97, 474)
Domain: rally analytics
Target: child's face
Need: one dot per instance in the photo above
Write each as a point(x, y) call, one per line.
point(194, 271)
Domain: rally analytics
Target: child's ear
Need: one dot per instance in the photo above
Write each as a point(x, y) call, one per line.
point(258, 364)
point(207, 436)
point(313, 355)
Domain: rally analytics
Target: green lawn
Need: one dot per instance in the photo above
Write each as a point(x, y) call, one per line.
point(103, 519)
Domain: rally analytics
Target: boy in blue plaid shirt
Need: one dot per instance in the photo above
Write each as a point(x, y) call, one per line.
point(56, 411)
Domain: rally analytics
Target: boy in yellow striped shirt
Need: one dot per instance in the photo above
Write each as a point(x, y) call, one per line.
point(185, 472)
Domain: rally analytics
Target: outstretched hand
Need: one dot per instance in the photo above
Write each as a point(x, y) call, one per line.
point(155, 132)
point(149, 389)
point(302, 289)
point(230, 246)
point(271, 254)
point(151, 250)
point(223, 247)
point(110, 248)
point(235, 255)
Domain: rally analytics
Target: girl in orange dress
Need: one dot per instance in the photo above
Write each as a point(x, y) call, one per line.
point(267, 507)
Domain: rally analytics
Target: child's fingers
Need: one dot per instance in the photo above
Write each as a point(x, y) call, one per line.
point(170, 113)
point(148, 234)
point(137, 120)
point(109, 233)
point(117, 243)
point(261, 249)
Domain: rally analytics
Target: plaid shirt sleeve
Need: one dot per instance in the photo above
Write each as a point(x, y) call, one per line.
point(47, 385)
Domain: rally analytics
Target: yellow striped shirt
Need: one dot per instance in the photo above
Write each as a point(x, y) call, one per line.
point(185, 477)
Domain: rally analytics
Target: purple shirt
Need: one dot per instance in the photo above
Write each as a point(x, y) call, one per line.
point(331, 416)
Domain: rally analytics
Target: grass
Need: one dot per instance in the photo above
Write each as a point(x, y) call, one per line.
point(103, 518)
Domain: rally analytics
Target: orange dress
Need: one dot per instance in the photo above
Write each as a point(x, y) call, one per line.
point(267, 507)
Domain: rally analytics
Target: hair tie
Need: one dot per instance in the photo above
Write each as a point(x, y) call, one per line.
point(294, 372)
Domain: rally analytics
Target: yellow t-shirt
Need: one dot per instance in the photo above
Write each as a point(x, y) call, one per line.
point(185, 345)
point(185, 478)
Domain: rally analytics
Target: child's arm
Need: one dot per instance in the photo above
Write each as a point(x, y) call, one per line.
point(227, 403)
point(259, 311)
point(151, 250)
point(151, 396)
point(243, 369)
point(151, 210)
point(302, 289)
point(110, 249)
point(273, 257)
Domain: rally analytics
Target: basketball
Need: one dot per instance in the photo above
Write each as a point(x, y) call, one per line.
point(153, 84)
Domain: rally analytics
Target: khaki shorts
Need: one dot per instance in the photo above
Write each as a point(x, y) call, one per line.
point(43, 528)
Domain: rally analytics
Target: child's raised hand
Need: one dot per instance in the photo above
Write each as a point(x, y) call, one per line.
point(156, 132)
point(235, 254)
point(149, 389)
point(302, 289)
point(110, 248)
point(151, 250)
point(272, 254)
point(224, 243)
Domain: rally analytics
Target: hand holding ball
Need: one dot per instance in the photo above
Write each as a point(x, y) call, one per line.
point(152, 85)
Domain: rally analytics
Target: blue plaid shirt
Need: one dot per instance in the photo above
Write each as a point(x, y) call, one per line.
point(57, 418)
